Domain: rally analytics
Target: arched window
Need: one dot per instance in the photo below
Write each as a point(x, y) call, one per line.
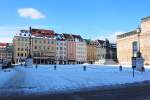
point(134, 48)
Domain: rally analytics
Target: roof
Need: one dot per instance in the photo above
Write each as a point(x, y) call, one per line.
point(59, 36)
point(145, 18)
point(127, 34)
point(90, 42)
point(3, 44)
point(101, 41)
point(43, 32)
point(67, 36)
point(77, 36)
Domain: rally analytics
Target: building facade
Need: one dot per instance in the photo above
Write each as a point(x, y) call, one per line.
point(61, 49)
point(6, 51)
point(71, 48)
point(91, 51)
point(43, 47)
point(81, 49)
point(128, 44)
point(105, 52)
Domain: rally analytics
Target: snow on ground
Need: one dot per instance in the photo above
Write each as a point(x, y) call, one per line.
point(66, 77)
point(5, 75)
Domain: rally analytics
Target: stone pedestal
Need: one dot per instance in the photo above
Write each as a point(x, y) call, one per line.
point(29, 62)
point(140, 64)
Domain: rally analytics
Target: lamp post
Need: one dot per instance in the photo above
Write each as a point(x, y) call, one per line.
point(29, 55)
point(139, 51)
point(29, 60)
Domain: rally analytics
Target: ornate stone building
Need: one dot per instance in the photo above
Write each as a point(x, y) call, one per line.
point(128, 43)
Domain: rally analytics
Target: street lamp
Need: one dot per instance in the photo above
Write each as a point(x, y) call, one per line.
point(29, 55)
point(138, 30)
point(29, 60)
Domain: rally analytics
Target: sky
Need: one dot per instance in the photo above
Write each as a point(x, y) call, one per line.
point(92, 19)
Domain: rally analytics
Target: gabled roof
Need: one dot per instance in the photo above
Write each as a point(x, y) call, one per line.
point(68, 36)
point(59, 36)
point(100, 41)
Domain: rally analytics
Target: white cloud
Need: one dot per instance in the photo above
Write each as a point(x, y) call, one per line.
point(8, 32)
point(30, 13)
point(6, 39)
point(110, 36)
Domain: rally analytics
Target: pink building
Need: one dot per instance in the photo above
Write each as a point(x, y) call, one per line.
point(71, 48)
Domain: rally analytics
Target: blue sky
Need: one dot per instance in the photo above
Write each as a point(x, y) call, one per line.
point(89, 18)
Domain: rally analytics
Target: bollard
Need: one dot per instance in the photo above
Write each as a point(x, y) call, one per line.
point(84, 68)
point(36, 66)
point(54, 67)
point(120, 68)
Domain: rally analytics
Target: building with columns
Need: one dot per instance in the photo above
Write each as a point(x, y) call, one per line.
point(128, 44)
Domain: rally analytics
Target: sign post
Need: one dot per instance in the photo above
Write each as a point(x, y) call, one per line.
point(133, 64)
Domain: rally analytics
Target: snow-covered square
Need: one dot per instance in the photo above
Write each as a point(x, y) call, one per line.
point(45, 78)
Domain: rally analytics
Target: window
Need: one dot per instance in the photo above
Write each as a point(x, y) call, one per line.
point(35, 41)
point(61, 48)
point(35, 47)
point(39, 47)
point(21, 54)
point(44, 41)
point(18, 49)
point(49, 42)
point(44, 47)
point(18, 54)
point(21, 49)
point(52, 42)
point(52, 48)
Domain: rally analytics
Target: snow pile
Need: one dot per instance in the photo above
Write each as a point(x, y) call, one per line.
point(46, 78)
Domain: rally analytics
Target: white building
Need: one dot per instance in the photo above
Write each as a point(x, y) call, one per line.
point(81, 49)
point(61, 49)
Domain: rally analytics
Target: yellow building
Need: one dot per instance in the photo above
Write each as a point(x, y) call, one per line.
point(43, 48)
point(91, 51)
point(128, 43)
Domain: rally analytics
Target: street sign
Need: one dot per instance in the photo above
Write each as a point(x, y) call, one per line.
point(133, 62)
